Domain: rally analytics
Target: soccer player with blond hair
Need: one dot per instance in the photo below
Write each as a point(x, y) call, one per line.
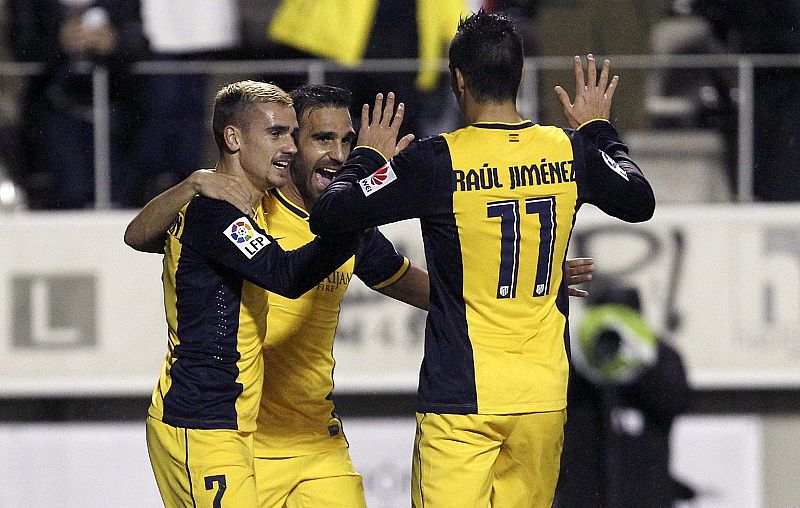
point(219, 264)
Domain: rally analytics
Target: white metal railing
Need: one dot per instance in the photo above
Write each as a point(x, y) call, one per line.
point(316, 70)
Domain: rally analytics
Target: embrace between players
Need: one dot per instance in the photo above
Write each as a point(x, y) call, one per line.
point(241, 414)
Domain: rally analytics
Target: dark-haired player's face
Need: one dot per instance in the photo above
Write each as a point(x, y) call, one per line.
point(324, 142)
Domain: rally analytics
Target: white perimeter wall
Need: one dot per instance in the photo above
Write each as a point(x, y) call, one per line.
point(103, 465)
point(82, 313)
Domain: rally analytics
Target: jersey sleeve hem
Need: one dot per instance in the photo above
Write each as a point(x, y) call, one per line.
point(394, 278)
point(364, 148)
point(592, 121)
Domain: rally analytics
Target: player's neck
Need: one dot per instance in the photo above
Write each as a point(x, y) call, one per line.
point(229, 166)
point(496, 112)
point(289, 190)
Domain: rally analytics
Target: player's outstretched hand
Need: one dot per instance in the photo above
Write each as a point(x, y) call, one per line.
point(380, 129)
point(577, 271)
point(211, 184)
point(592, 96)
point(403, 142)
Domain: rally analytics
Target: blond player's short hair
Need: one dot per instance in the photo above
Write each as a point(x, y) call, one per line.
point(234, 103)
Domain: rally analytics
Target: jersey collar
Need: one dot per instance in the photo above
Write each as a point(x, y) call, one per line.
point(288, 204)
point(504, 126)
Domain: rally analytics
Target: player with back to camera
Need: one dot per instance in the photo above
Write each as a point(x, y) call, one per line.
point(300, 450)
point(219, 264)
point(496, 202)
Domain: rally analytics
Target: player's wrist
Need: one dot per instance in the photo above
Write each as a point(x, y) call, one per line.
point(591, 120)
point(373, 150)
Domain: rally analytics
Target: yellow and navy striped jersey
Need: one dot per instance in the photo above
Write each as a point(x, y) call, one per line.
point(497, 203)
point(297, 413)
point(218, 265)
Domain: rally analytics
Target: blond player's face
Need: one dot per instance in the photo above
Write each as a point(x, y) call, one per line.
point(267, 144)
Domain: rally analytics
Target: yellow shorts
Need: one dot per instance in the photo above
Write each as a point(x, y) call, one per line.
point(202, 468)
point(464, 461)
point(321, 480)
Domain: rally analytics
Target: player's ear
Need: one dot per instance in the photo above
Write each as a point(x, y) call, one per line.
point(458, 86)
point(457, 82)
point(232, 136)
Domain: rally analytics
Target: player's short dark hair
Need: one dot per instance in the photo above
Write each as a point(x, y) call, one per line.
point(234, 103)
point(488, 51)
point(309, 97)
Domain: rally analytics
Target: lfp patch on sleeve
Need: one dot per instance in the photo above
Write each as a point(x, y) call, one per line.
point(613, 165)
point(244, 236)
point(382, 177)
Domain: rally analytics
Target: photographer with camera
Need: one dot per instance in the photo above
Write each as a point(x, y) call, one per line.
point(626, 387)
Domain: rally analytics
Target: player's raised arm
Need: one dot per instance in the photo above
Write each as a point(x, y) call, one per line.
point(369, 190)
point(379, 130)
point(148, 230)
point(592, 96)
point(608, 177)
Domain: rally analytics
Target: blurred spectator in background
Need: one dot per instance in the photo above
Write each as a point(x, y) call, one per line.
point(692, 98)
point(258, 44)
point(170, 144)
point(256, 16)
point(12, 196)
point(626, 387)
point(766, 28)
point(58, 132)
point(351, 31)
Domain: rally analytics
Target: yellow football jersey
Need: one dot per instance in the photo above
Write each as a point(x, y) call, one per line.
point(218, 265)
point(517, 229)
point(497, 203)
point(297, 413)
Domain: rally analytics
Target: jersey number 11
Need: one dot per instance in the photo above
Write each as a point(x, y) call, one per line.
point(510, 228)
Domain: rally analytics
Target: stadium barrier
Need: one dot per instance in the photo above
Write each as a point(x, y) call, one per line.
point(529, 100)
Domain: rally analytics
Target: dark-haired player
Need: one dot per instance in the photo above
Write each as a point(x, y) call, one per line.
point(497, 201)
point(301, 454)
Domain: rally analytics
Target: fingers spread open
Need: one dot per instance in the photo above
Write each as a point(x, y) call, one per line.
point(579, 81)
point(398, 115)
point(377, 110)
point(604, 76)
point(404, 142)
point(574, 262)
point(592, 70)
point(388, 109)
point(563, 97)
point(364, 116)
point(580, 278)
point(612, 88)
point(580, 293)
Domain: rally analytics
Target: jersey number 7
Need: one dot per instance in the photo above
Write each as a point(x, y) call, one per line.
point(219, 479)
